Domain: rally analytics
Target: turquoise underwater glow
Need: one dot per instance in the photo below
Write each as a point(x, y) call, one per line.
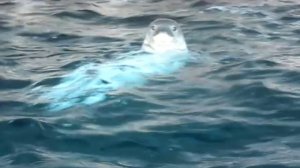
point(92, 82)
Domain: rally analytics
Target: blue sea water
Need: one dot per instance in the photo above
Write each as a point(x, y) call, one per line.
point(237, 105)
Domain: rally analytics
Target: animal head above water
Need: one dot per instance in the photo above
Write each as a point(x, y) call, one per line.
point(164, 35)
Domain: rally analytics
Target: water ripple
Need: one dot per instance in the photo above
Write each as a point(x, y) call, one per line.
point(236, 105)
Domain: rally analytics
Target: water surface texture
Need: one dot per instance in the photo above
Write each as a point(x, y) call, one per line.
point(240, 109)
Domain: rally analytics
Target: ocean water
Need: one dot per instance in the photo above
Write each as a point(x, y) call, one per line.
point(237, 105)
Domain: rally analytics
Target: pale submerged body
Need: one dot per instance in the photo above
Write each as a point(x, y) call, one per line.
point(164, 50)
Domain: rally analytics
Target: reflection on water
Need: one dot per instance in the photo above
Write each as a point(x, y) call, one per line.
point(236, 105)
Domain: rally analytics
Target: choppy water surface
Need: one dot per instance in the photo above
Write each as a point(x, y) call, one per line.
point(240, 109)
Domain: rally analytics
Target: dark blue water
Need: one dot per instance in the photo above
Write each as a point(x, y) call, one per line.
point(241, 109)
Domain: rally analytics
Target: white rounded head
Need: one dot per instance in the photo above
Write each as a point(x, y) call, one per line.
point(164, 35)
